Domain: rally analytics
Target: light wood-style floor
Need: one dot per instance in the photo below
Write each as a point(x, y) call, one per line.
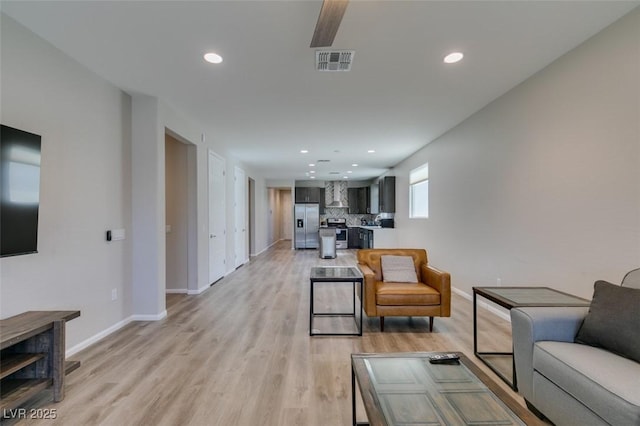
point(240, 354)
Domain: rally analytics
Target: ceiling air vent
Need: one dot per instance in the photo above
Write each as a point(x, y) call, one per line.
point(334, 60)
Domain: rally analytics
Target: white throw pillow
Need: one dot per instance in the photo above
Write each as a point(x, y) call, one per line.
point(398, 269)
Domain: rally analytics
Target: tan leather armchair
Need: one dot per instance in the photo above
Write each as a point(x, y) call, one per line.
point(431, 296)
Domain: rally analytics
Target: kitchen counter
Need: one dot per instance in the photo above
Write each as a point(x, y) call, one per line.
point(382, 237)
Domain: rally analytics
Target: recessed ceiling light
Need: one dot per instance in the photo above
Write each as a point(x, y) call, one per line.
point(312, 171)
point(354, 165)
point(311, 165)
point(312, 177)
point(349, 171)
point(213, 58)
point(371, 151)
point(453, 57)
point(346, 177)
point(303, 151)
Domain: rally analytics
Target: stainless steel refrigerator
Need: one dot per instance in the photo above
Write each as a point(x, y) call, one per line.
point(307, 223)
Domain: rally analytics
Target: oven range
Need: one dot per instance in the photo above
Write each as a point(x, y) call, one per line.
point(342, 232)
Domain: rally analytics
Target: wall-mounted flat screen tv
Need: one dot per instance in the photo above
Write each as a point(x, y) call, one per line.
point(19, 191)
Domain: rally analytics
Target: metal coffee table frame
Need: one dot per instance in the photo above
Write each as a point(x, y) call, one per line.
point(352, 275)
point(492, 294)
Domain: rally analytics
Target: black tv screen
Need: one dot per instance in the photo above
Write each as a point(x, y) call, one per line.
point(19, 191)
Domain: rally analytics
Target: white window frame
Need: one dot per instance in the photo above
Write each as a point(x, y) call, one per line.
point(419, 186)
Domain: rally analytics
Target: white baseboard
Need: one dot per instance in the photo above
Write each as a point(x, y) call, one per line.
point(95, 338)
point(151, 317)
point(176, 291)
point(269, 246)
point(483, 304)
point(198, 291)
point(117, 326)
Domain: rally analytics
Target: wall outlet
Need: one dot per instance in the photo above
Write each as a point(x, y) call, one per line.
point(499, 282)
point(114, 294)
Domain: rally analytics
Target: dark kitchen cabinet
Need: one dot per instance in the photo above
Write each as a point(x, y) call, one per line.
point(358, 200)
point(387, 194)
point(365, 238)
point(352, 199)
point(322, 202)
point(353, 241)
point(363, 200)
point(307, 195)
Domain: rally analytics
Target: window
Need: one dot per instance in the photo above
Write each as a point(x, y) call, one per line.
point(419, 192)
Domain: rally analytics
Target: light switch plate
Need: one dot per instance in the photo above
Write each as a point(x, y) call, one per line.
point(117, 234)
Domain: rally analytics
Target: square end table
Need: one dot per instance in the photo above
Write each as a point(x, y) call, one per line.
point(516, 297)
point(336, 274)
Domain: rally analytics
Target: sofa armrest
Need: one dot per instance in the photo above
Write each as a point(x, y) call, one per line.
point(530, 325)
point(369, 302)
point(441, 281)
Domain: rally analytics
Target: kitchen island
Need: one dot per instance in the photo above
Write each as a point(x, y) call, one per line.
point(377, 237)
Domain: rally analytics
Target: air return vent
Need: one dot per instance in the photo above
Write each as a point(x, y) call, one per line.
point(334, 60)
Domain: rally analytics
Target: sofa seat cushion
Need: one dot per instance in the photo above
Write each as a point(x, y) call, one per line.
point(602, 381)
point(406, 294)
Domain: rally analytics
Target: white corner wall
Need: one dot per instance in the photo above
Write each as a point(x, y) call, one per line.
point(85, 186)
point(542, 186)
point(103, 168)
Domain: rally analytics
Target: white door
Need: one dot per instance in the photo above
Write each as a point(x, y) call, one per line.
point(241, 216)
point(217, 218)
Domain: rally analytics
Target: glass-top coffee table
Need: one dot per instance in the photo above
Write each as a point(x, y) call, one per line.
point(405, 389)
point(336, 274)
point(516, 297)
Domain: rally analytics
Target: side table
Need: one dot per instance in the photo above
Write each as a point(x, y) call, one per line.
point(336, 274)
point(515, 297)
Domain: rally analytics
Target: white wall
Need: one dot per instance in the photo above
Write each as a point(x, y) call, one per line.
point(85, 188)
point(542, 186)
point(102, 164)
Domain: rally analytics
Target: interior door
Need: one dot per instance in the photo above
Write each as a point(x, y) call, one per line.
point(286, 204)
point(241, 217)
point(217, 218)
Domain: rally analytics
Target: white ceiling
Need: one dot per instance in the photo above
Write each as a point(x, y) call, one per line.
point(266, 102)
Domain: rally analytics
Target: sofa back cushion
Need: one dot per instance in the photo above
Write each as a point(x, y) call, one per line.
point(632, 279)
point(372, 258)
point(613, 322)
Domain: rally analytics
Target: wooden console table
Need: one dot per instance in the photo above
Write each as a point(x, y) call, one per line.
point(33, 356)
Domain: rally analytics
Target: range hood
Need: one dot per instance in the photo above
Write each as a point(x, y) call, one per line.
point(339, 191)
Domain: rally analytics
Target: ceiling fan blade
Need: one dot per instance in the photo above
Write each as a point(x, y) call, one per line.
point(328, 22)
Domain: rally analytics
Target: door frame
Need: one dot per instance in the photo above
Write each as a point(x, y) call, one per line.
point(212, 277)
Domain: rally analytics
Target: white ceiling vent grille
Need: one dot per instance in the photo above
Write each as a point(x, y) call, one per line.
point(334, 60)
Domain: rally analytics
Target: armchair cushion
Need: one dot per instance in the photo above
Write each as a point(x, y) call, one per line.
point(398, 269)
point(613, 322)
point(399, 294)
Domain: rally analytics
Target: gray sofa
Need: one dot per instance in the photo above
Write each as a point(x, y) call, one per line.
point(571, 383)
